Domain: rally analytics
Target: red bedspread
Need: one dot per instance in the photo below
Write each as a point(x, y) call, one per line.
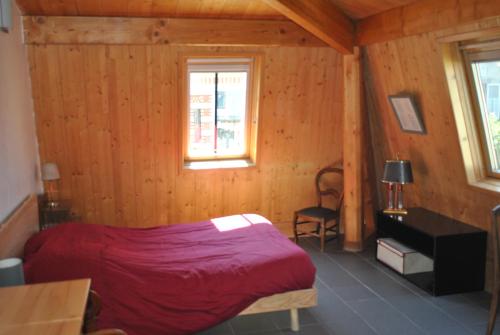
point(176, 279)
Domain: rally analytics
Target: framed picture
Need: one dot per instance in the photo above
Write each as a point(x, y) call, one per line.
point(5, 15)
point(407, 113)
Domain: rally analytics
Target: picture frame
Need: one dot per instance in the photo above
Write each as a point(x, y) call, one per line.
point(407, 113)
point(5, 15)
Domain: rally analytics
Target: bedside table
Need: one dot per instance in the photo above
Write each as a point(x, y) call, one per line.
point(51, 216)
point(458, 250)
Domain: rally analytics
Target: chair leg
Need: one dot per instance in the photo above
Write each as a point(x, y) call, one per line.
point(337, 229)
point(496, 273)
point(295, 234)
point(322, 234)
point(493, 311)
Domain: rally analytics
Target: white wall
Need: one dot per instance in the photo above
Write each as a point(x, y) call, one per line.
point(18, 151)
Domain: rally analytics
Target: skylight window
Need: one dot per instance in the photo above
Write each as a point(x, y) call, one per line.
point(473, 72)
point(485, 76)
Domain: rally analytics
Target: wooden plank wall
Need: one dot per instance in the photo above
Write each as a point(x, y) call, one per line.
point(414, 64)
point(108, 115)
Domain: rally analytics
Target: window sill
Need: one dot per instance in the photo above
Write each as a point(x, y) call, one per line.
point(219, 164)
point(491, 185)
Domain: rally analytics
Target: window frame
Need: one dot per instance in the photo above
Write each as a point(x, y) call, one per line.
point(249, 158)
point(462, 103)
point(470, 56)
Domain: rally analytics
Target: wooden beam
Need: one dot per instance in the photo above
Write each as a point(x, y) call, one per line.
point(421, 17)
point(200, 32)
point(322, 19)
point(353, 161)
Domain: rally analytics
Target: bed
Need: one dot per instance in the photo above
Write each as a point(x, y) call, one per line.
point(178, 279)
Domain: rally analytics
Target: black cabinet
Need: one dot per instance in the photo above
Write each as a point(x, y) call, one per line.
point(53, 215)
point(458, 250)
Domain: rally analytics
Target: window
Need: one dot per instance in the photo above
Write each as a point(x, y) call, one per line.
point(221, 110)
point(483, 68)
point(473, 72)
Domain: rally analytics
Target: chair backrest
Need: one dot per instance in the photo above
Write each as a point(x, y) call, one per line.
point(92, 311)
point(495, 213)
point(321, 192)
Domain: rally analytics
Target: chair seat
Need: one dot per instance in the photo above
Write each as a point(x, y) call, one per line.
point(326, 214)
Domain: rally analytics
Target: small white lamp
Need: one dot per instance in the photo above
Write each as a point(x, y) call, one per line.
point(5, 15)
point(11, 272)
point(50, 174)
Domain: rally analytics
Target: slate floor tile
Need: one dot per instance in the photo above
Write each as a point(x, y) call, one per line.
point(330, 307)
point(388, 288)
point(351, 262)
point(480, 329)
point(308, 330)
point(384, 318)
point(222, 329)
point(350, 326)
point(453, 330)
point(252, 323)
point(469, 315)
point(282, 319)
point(426, 315)
point(447, 302)
point(355, 292)
point(479, 298)
point(335, 276)
point(266, 332)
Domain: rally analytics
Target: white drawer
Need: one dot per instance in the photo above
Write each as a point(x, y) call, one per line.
point(402, 258)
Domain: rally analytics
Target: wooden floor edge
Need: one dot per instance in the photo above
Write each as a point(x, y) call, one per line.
point(284, 301)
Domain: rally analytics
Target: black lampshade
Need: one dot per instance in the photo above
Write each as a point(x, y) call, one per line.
point(397, 171)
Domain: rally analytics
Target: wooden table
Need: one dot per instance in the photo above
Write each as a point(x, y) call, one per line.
point(49, 308)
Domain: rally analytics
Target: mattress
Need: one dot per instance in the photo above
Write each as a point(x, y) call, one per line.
point(176, 279)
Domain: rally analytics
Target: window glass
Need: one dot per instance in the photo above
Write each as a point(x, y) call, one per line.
point(231, 113)
point(487, 88)
point(201, 113)
point(218, 109)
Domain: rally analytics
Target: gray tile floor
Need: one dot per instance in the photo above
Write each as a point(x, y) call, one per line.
point(357, 295)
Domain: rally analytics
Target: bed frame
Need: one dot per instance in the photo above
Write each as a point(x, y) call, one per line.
point(19, 227)
point(292, 300)
point(24, 222)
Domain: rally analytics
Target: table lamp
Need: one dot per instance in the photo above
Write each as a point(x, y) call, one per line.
point(396, 174)
point(50, 174)
point(11, 272)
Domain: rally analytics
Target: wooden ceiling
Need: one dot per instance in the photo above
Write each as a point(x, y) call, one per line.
point(359, 9)
point(236, 9)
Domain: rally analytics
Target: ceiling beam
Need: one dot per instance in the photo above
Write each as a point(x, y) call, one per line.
point(422, 17)
point(322, 19)
point(171, 31)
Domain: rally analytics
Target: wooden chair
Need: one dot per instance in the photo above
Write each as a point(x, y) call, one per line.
point(496, 279)
point(91, 312)
point(320, 215)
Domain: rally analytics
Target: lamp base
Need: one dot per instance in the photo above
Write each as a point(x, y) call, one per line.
point(395, 211)
point(52, 204)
